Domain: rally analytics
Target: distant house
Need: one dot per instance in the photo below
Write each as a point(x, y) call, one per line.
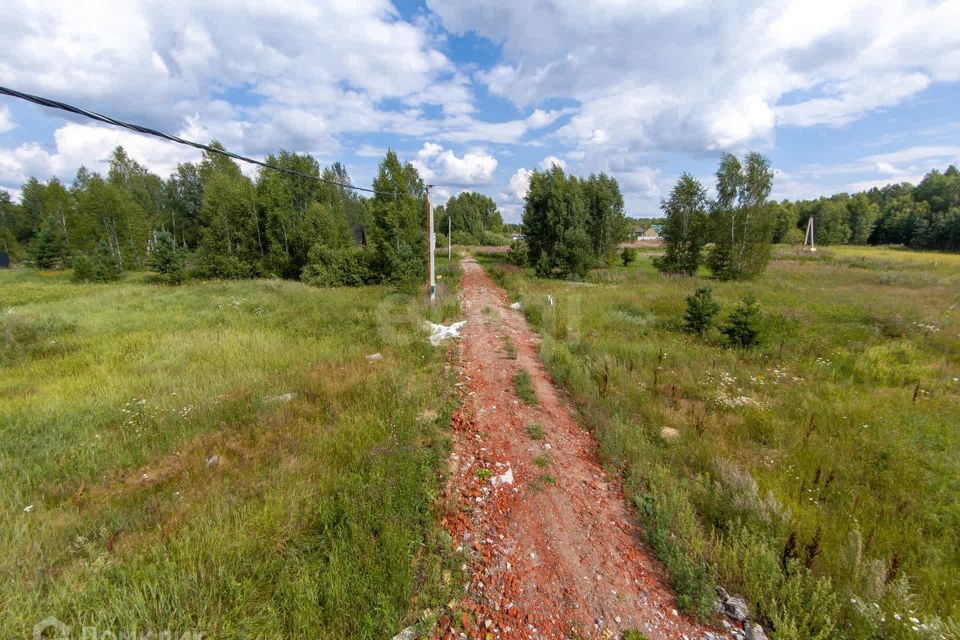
point(650, 233)
point(516, 236)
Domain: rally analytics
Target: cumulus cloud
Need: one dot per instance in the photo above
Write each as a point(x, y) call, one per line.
point(548, 162)
point(698, 75)
point(473, 168)
point(76, 145)
point(519, 185)
point(288, 74)
point(6, 120)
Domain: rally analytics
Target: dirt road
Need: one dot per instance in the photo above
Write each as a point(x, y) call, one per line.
point(553, 551)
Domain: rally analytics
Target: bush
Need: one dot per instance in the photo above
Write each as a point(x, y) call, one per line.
point(628, 256)
point(494, 239)
point(543, 267)
point(743, 326)
point(329, 267)
point(50, 246)
point(167, 259)
point(701, 311)
point(518, 254)
point(793, 237)
point(464, 238)
point(101, 266)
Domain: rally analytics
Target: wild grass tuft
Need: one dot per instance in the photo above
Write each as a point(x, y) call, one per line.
point(523, 385)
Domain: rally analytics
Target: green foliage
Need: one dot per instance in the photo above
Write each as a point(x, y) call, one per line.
point(339, 266)
point(831, 221)
point(684, 232)
point(22, 338)
point(535, 431)
point(628, 256)
point(50, 247)
point(701, 311)
point(571, 224)
point(785, 215)
point(742, 327)
point(741, 220)
point(670, 529)
point(102, 265)
point(793, 237)
point(863, 216)
point(473, 219)
point(167, 259)
point(518, 254)
point(543, 267)
point(606, 222)
point(230, 241)
point(523, 385)
point(398, 234)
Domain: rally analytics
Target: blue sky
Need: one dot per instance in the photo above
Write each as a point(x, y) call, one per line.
point(840, 95)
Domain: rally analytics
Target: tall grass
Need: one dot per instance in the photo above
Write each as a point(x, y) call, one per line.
point(220, 457)
point(817, 474)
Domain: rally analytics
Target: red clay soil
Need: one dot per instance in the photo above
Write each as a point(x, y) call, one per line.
point(557, 552)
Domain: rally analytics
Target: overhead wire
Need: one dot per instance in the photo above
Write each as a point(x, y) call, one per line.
point(93, 115)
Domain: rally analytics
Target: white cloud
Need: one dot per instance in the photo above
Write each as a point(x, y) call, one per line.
point(519, 185)
point(298, 74)
point(851, 100)
point(473, 168)
point(6, 120)
point(943, 154)
point(90, 145)
point(703, 75)
point(548, 162)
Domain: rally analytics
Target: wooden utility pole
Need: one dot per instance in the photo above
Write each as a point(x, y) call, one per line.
point(431, 242)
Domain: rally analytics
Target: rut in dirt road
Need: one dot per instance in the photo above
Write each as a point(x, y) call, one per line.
point(553, 551)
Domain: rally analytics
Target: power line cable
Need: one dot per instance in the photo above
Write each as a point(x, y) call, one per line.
point(63, 106)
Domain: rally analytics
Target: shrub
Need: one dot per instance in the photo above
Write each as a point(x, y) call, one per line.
point(464, 238)
point(50, 246)
point(628, 256)
point(793, 237)
point(543, 267)
point(743, 326)
point(329, 267)
point(523, 385)
point(518, 254)
point(701, 311)
point(494, 239)
point(102, 266)
point(167, 259)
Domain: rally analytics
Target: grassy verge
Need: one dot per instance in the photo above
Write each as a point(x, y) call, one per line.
point(817, 474)
point(220, 457)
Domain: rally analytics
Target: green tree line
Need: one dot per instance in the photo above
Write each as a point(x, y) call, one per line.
point(208, 219)
point(925, 216)
point(732, 233)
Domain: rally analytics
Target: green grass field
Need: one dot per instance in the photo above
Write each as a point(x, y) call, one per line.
point(220, 457)
point(819, 474)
